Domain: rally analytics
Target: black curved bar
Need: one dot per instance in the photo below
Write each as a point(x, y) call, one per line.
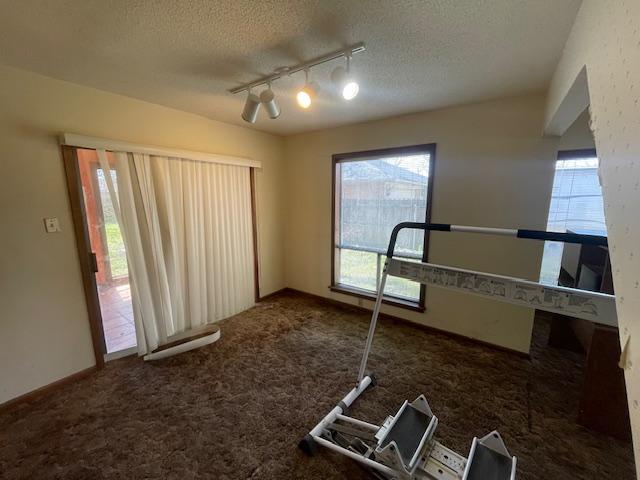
point(529, 234)
point(563, 237)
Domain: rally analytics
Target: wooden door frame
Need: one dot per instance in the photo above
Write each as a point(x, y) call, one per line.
point(254, 228)
point(83, 244)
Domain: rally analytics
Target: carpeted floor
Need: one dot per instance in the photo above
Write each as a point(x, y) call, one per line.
point(236, 409)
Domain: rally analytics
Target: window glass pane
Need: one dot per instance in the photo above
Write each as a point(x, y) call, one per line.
point(374, 196)
point(551, 259)
point(401, 287)
point(116, 253)
point(358, 269)
point(576, 206)
point(378, 194)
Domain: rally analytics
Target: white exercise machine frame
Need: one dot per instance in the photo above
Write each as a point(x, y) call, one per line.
point(433, 460)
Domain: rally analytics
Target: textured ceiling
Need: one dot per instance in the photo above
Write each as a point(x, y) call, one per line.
point(185, 54)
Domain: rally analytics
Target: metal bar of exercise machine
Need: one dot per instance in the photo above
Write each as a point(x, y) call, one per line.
point(403, 448)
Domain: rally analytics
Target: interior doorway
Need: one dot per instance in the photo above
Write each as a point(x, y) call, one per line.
point(109, 257)
point(577, 206)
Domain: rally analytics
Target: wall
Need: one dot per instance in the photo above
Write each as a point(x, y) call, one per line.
point(579, 135)
point(44, 330)
point(492, 169)
point(605, 40)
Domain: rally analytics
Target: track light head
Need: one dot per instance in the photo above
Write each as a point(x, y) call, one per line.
point(346, 82)
point(350, 90)
point(268, 99)
point(306, 94)
point(251, 108)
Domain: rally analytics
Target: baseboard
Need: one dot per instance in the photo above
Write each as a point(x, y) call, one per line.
point(396, 319)
point(46, 389)
point(274, 294)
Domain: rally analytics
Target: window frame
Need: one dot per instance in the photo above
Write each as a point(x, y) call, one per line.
point(576, 154)
point(336, 159)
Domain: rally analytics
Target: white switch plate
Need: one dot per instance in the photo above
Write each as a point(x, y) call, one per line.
point(51, 225)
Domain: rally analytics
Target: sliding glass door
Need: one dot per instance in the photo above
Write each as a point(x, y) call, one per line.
point(109, 255)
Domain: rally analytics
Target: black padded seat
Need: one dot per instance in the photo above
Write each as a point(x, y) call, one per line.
point(487, 464)
point(407, 432)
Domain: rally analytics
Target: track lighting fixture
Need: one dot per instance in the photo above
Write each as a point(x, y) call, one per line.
point(268, 99)
point(341, 76)
point(251, 108)
point(307, 93)
point(347, 84)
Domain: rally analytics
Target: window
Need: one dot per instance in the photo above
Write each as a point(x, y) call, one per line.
point(576, 206)
point(373, 192)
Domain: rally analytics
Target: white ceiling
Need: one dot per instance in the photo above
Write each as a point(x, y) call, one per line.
point(420, 55)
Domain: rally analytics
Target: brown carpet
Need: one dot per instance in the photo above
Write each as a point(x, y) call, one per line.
point(236, 409)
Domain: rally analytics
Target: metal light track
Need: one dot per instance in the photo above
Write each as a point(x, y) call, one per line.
point(285, 71)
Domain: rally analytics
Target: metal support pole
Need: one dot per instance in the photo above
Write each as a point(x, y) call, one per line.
point(339, 409)
point(359, 423)
point(374, 321)
point(357, 457)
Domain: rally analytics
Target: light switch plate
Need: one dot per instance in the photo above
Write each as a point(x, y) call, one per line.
point(52, 225)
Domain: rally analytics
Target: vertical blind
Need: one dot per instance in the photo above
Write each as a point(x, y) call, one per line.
point(576, 199)
point(187, 230)
point(576, 206)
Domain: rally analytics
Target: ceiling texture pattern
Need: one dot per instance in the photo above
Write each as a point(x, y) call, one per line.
point(421, 55)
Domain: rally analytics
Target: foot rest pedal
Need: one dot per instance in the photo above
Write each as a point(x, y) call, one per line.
point(402, 441)
point(489, 460)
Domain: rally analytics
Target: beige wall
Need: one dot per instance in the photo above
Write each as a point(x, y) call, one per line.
point(605, 40)
point(493, 168)
point(44, 331)
point(579, 134)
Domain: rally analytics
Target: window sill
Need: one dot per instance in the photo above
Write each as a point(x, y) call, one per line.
point(393, 301)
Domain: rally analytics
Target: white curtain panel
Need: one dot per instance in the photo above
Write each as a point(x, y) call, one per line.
point(187, 230)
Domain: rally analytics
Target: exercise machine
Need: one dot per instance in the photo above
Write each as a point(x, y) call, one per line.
point(404, 447)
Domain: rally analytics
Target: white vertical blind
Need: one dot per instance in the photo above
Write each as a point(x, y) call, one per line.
point(576, 205)
point(205, 222)
point(187, 230)
point(576, 200)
